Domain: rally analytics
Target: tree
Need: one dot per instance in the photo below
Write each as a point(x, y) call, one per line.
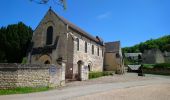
point(161, 43)
point(61, 3)
point(14, 41)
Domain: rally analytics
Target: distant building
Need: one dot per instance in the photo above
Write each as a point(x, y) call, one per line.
point(113, 60)
point(133, 56)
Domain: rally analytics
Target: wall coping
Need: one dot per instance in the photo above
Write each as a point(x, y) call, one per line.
point(23, 66)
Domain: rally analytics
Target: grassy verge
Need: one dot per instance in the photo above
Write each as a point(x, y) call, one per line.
point(148, 66)
point(156, 66)
point(22, 90)
point(155, 73)
point(93, 75)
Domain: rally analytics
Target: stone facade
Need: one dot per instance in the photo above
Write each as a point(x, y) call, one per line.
point(133, 56)
point(153, 56)
point(113, 60)
point(68, 43)
point(167, 56)
point(31, 75)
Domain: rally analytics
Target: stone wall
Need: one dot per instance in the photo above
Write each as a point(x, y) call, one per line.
point(167, 59)
point(93, 61)
point(31, 75)
point(153, 56)
point(112, 63)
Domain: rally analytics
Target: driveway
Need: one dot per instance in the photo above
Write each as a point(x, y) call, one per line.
point(126, 87)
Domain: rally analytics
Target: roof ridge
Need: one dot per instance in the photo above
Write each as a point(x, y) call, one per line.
point(73, 26)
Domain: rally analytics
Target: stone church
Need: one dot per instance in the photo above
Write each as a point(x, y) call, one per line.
point(57, 39)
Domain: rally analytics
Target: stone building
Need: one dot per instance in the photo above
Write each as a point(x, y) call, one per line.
point(113, 60)
point(133, 56)
point(55, 39)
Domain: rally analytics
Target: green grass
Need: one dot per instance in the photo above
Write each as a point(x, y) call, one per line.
point(22, 90)
point(148, 65)
point(154, 73)
point(157, 66)
point(162, 65)
point(93, 75)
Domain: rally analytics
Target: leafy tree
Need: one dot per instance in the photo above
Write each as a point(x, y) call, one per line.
point(61, 3)
point(162, 43)
point(14, 41)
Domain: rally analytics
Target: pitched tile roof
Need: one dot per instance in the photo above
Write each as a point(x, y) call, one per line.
point(112, 46)
point(79, 30)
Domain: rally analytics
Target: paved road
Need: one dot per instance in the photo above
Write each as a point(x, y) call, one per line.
point(76, 92)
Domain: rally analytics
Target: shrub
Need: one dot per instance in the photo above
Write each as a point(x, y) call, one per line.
point(107, 73)
point(162, 66)
point(24, 60)
point(99, 74)
point(148, 66)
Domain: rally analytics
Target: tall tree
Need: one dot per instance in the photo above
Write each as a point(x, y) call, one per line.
point(14, 40)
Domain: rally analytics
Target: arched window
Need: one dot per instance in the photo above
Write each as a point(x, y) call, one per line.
point(77, 44)
point(49, 37)
point(92, 49)
point(85, 47)
point(98, 51)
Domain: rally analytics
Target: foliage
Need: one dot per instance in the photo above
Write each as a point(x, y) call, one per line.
point(127, 62)
point(24, 60)
point(99, 74)
point(22, 90)
point(162, 66)
point(156, 66)
point(61, 3)
point(14, 41)
point(162, 43)
point(148, 66)
point(107, 73)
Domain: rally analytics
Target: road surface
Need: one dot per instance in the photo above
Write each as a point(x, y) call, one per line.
point(150, 87)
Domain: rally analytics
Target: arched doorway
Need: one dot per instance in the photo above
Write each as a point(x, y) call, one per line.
point(47, 62)
point(80, 63)
point(90, 66)
point(45, 59)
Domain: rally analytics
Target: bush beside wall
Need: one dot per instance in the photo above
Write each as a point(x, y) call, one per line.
point(100, 74)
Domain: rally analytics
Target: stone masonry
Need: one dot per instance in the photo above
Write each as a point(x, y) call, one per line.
point(64, 45)
point(31, 75)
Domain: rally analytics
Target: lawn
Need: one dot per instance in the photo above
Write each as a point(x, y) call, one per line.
point(22, 90)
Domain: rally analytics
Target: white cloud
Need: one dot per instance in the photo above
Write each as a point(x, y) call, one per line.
point(105, 15)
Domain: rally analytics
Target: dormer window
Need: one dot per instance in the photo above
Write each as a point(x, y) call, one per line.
point(49, 37)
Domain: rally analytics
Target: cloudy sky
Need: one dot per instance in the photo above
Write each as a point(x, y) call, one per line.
point(129, 21)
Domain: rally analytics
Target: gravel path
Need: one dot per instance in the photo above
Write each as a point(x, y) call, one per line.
point(105, 88)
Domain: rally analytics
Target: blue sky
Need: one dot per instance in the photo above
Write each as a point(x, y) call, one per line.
point(130, 21)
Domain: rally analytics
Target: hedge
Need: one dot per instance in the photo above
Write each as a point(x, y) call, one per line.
point(100, 74)
point(162, 65)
